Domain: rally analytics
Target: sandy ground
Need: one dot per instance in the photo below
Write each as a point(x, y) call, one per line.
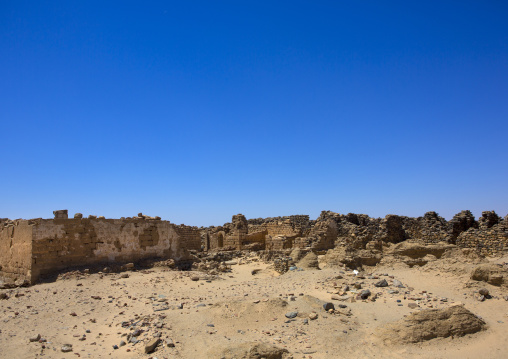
point(95, 312)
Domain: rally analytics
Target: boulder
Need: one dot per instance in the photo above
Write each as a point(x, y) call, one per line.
point(428, 324)
point(490, 273)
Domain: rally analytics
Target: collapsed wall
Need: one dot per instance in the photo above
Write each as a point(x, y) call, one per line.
point(488, 235)
point(31, 248)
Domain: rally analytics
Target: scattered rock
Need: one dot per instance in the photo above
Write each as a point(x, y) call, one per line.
point(381, 283)
point(151, 345)
point(194, 278)
point(484, 292)
point(313, 316)
point(291, 315)
point(170, 343)
point(327, 306)
point(365, 294)
point(397, 283)
point(66, 348)
point(22, 283)
point(35, 338)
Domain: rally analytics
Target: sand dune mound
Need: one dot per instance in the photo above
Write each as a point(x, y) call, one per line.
point(297, 254)
point(431, 323)
point(251, 350)
point(310, 261)
point(238, 309)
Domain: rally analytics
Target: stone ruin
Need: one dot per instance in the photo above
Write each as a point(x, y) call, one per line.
point(487, 236)
point(36, 247)
point(33, 248)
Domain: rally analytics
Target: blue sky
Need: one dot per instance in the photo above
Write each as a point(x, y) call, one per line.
point(198, 110)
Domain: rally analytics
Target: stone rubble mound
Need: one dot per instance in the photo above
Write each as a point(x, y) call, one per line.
point(491, 273)
point(429, 324)
point(251, 350)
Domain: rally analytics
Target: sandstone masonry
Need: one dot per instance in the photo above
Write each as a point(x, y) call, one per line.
point(31, 248)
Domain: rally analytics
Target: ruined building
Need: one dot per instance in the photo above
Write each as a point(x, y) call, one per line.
point(36, 247)
point(31, 248)
point(488, 235)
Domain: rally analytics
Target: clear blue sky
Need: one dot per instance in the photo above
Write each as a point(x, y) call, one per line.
point(198, 110)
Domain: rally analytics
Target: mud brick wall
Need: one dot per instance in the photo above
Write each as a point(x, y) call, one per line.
point(290, 226)
point(190, 237)
point(15, 249)
point(234, 241)
point(61, 243)
point(278, 243)
point(282, 229)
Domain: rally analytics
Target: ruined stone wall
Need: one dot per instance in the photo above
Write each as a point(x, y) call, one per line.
point(488, 241)
point(290, 226)
point(31, 248)
point(190, 237)
point(278, 243)
point(15, 249)
point(61, 243)
point(429, 229)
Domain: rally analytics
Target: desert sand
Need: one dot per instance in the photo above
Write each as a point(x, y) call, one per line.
point(195, 314)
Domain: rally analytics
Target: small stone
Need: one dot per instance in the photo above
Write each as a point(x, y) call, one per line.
point(66, 348)
point(381, 283)
point(129, 266)
point(327, 306)
point(291, 315)
point(481, 298)
point(412, 305)
point(194, 278)
point(313, 316)
point(170, 343)
point(151, 345)
point(4, 296)
point(122, 343)
point(397, 283)
point(35, 338)
point(365, 294)
point(484, 292)
point(124, 275)
point(22, 283)
point(115, 346)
